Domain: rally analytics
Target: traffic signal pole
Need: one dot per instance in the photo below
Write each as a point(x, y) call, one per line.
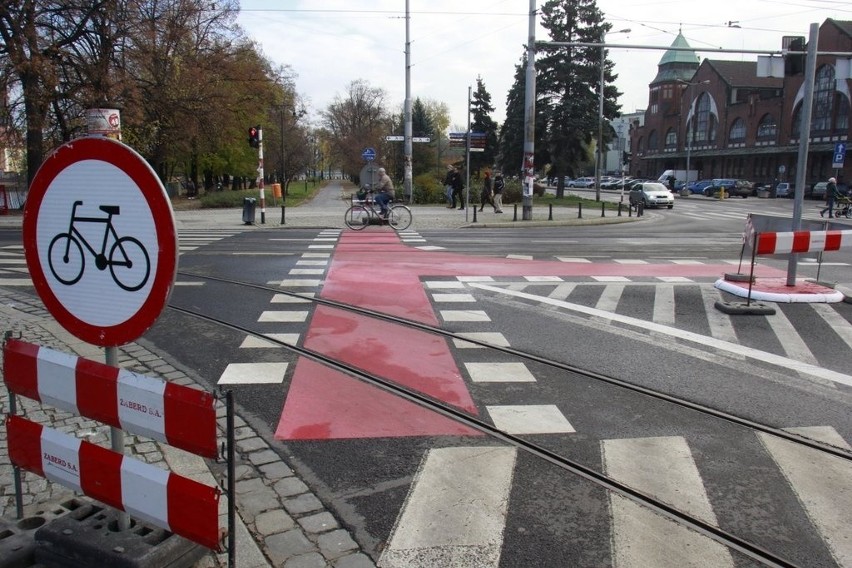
point(528, 165)
point(260, 175)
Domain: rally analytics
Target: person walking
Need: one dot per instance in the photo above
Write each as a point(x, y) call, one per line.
point(458, 185)
point(448, 186)
point(498, 193)
point(831, 195)
point(486, 195)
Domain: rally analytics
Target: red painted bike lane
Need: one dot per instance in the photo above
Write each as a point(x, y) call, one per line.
point(376, 271)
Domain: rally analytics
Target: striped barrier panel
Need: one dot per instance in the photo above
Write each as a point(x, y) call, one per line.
point(177, 415)
point(802, 241)
point(167, 500)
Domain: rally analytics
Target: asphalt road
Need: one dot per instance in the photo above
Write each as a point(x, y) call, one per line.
point(612, 359)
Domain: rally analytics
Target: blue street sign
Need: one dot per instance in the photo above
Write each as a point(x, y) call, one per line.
point(369, 154)
point(839, 155)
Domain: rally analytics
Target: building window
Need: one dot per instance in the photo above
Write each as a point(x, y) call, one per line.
point(671, 139)
point(768, 128)
point(652, 141)
point(705, 122)
point(823, 99)
point(668, 91)
point(841, 124)
point(738, 131)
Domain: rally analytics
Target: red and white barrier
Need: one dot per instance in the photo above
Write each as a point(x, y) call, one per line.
point(802, 241)
point(177, 415)
point(167, 500)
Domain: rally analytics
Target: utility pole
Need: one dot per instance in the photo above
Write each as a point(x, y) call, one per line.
point(407, 187)
point(528, 166)
point(804, 141)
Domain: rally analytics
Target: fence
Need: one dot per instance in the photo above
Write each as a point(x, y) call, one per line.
point(176, 415)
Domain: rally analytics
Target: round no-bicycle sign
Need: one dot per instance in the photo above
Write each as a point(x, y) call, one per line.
point(100, 241)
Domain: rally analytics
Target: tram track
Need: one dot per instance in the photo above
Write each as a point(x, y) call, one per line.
point(728, 539)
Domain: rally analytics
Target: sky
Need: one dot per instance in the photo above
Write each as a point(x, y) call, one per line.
point(330, 43)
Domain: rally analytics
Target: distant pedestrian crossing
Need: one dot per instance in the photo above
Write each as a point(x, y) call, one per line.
point(13, 263)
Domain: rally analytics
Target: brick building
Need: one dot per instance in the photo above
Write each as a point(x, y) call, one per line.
point(740, 125)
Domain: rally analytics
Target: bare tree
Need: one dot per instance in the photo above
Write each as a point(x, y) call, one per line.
point(358, 121)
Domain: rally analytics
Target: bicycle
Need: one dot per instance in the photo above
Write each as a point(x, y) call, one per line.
point(363, 213)
point(68, 263)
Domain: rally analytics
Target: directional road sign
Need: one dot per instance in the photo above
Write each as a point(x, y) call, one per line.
point(421, 139)
point(839, 155)
point(100, 241)
point(369, 154)
point(394, 138)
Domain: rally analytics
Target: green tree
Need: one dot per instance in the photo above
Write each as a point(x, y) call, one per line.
point(422, 155)
point(481, 121)
point(568, 83)
point(511, 139)
point(34, 35)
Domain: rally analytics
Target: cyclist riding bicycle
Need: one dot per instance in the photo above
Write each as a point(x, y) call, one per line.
point(384, 192)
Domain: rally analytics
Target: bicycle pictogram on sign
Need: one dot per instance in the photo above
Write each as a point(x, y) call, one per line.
point(127, 260)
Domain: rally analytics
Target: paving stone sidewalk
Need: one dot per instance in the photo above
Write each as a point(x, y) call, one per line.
point(281, 522)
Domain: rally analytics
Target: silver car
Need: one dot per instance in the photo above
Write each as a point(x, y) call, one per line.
point(651, 194)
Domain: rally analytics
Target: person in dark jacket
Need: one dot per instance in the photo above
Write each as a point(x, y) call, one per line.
point(448, 186)
point(458, 185)
point(831, 195)
point(499, 185)
point(486, 196)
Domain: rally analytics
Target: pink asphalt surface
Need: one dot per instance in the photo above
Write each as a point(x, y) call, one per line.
point(375, 270)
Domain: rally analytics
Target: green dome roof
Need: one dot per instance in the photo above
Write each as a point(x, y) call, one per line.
point(677, 56)
point(677, 65)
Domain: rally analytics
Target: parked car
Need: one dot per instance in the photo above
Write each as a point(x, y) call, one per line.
point(732, 187)
point(632, 183)
point(615, 183)
point(698, 186)
point(817, 190)
point(651, 194)
point(785, 189)
point(583, 182)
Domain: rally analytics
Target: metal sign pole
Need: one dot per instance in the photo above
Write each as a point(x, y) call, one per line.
point(116, 435)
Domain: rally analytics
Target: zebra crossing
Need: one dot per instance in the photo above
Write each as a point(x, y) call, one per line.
point(460, 502)
point(13, 263)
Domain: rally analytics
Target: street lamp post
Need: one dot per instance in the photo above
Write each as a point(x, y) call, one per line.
point(599, 161)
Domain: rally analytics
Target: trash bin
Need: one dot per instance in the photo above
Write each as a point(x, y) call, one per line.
point(248, 210)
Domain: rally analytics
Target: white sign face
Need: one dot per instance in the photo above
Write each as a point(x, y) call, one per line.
point(107, 255)
point(100, 241)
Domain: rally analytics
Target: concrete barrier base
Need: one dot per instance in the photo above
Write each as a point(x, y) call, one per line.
point(89, 536)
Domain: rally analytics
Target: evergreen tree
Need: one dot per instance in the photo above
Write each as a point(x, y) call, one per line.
point(511, 141)
point(422, 155)
point(481, 121)
point(568, 83)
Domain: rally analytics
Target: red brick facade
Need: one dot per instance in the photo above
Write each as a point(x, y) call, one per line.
point(742, 125)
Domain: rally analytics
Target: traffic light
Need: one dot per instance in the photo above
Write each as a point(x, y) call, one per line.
point(254, 136)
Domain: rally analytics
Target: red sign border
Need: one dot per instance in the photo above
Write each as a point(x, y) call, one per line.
point(132, 164)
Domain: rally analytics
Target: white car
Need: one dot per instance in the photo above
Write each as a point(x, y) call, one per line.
point(584, 182)
point(651, 194)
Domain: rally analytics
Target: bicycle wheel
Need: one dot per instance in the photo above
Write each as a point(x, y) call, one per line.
point(357, 217)
point(132, 262)
point(399, 217)
point(65, 258)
